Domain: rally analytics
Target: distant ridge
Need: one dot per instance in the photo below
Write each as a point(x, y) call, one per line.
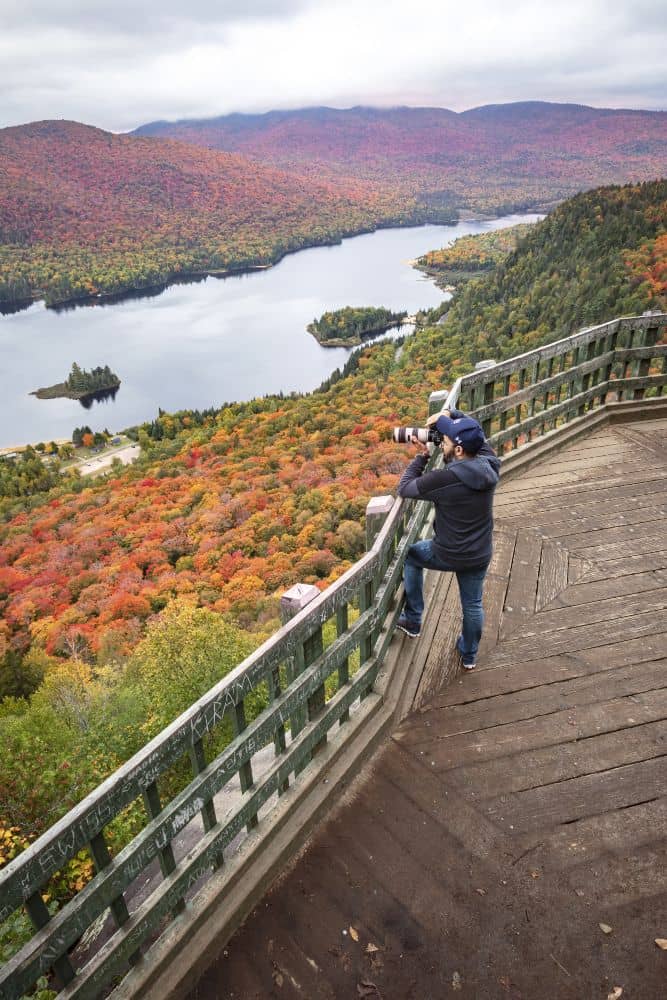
point(122, 212)
point(488, 158)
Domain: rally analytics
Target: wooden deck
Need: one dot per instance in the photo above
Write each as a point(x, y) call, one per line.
point(524, 805)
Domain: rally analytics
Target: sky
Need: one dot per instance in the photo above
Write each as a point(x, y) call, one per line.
point(120, 63)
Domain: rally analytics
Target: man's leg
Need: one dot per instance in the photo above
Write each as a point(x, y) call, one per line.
point(471, 588)
point(420, 557)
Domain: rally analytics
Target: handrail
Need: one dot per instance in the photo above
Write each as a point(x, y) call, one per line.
point(620, 358)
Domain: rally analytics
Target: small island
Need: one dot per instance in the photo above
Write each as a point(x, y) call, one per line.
point(81, 384)
point(349, 326)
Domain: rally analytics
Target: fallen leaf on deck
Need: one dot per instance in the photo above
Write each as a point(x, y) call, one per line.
point(535, 874)
point(371, 949)
point(661, 943)
point(354, 934)
point(615, 993)
point(278, 979)
point(605, 928)
point(457, 982)
point(482, 892)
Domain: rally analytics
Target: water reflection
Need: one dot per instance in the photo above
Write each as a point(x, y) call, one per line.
point(101, 396)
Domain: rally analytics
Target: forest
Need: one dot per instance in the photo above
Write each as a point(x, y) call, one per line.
point(469, 255)
point(86, 213)
point(348, 326)
point(125, 598)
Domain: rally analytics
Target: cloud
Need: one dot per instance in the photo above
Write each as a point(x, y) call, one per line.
point(118, 65)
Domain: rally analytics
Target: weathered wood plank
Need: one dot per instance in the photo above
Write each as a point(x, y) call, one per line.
point(535, 768)
point(613, 833)
point(525, 502)
point(515, 737)
point(522, 585)
point(602, 590)
point(541, 700)
point(574, 798)
point(552, 574)
point(625, 565)
point(599, 635)
point(545, 622)
point(625, 534)
point(569, 512)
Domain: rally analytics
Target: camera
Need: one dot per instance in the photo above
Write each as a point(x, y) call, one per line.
point(427, 435)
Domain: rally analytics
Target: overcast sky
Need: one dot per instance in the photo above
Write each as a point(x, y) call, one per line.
point(120, 63)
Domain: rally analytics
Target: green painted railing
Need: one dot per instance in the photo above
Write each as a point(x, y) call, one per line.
point(312, 689)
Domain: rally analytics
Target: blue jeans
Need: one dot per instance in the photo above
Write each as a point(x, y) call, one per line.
point(422, 556)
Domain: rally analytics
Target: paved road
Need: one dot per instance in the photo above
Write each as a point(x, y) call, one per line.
point(94, 465)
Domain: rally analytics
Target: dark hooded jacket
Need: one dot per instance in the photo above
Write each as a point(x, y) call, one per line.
point(462, 492)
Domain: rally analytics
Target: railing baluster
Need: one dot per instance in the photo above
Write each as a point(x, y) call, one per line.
point(246, 778)
point(118, 906)
point(342, 622)
point(39, 914)
point(199, 764)
point(153, 806)
point(292, 602)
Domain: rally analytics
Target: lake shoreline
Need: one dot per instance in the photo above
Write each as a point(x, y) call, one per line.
point(9, 307)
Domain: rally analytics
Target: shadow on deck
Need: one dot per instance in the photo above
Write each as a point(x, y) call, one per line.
point(509, 839)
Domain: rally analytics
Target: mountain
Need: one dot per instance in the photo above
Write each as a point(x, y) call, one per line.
point(493, 158)
point(83, 211)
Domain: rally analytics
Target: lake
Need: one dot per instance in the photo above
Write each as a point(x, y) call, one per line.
point(200, 344)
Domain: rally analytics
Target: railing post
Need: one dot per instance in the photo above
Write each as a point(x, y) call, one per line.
point(292, 601)
point(377, 512)
point(437, 400)
point(649, 339)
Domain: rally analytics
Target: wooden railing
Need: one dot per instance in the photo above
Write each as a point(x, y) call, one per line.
point(315, 672)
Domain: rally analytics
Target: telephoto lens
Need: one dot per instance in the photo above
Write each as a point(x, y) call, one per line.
point(404, 435)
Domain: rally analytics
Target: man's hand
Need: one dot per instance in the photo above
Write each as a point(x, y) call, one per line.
point(434, 417)
point(421, 448)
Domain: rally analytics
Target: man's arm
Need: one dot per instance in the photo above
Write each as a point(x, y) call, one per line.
point(407, 485)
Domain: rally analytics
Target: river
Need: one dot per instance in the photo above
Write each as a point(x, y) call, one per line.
point(212, 341)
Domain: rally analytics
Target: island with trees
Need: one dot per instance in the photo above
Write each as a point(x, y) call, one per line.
point(348, 327)
point(81, 384)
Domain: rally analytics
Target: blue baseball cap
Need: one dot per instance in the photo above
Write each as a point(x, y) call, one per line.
point(464, 431)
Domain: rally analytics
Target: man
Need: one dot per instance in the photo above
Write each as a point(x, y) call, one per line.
point(462, 492)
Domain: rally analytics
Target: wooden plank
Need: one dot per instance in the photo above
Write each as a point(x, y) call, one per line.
point(533, 768)
point(625, 565)
point(537, 701)
point(577, 568)
point(571, 530)
point(627, 534)
point(442, 802)
point(612, 833)
point(573, 799)
point(488, 680)
point(525, 502)
point(599, 635)
point(559, 727)
point(522, 586)
point(544, 623)
point(568, 511)
point(601, 590)
point(648, 543)
point(636, 882)
point(552, 577)
point(441, 657)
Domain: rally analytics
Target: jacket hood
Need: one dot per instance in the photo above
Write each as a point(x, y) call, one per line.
point(479, 473)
